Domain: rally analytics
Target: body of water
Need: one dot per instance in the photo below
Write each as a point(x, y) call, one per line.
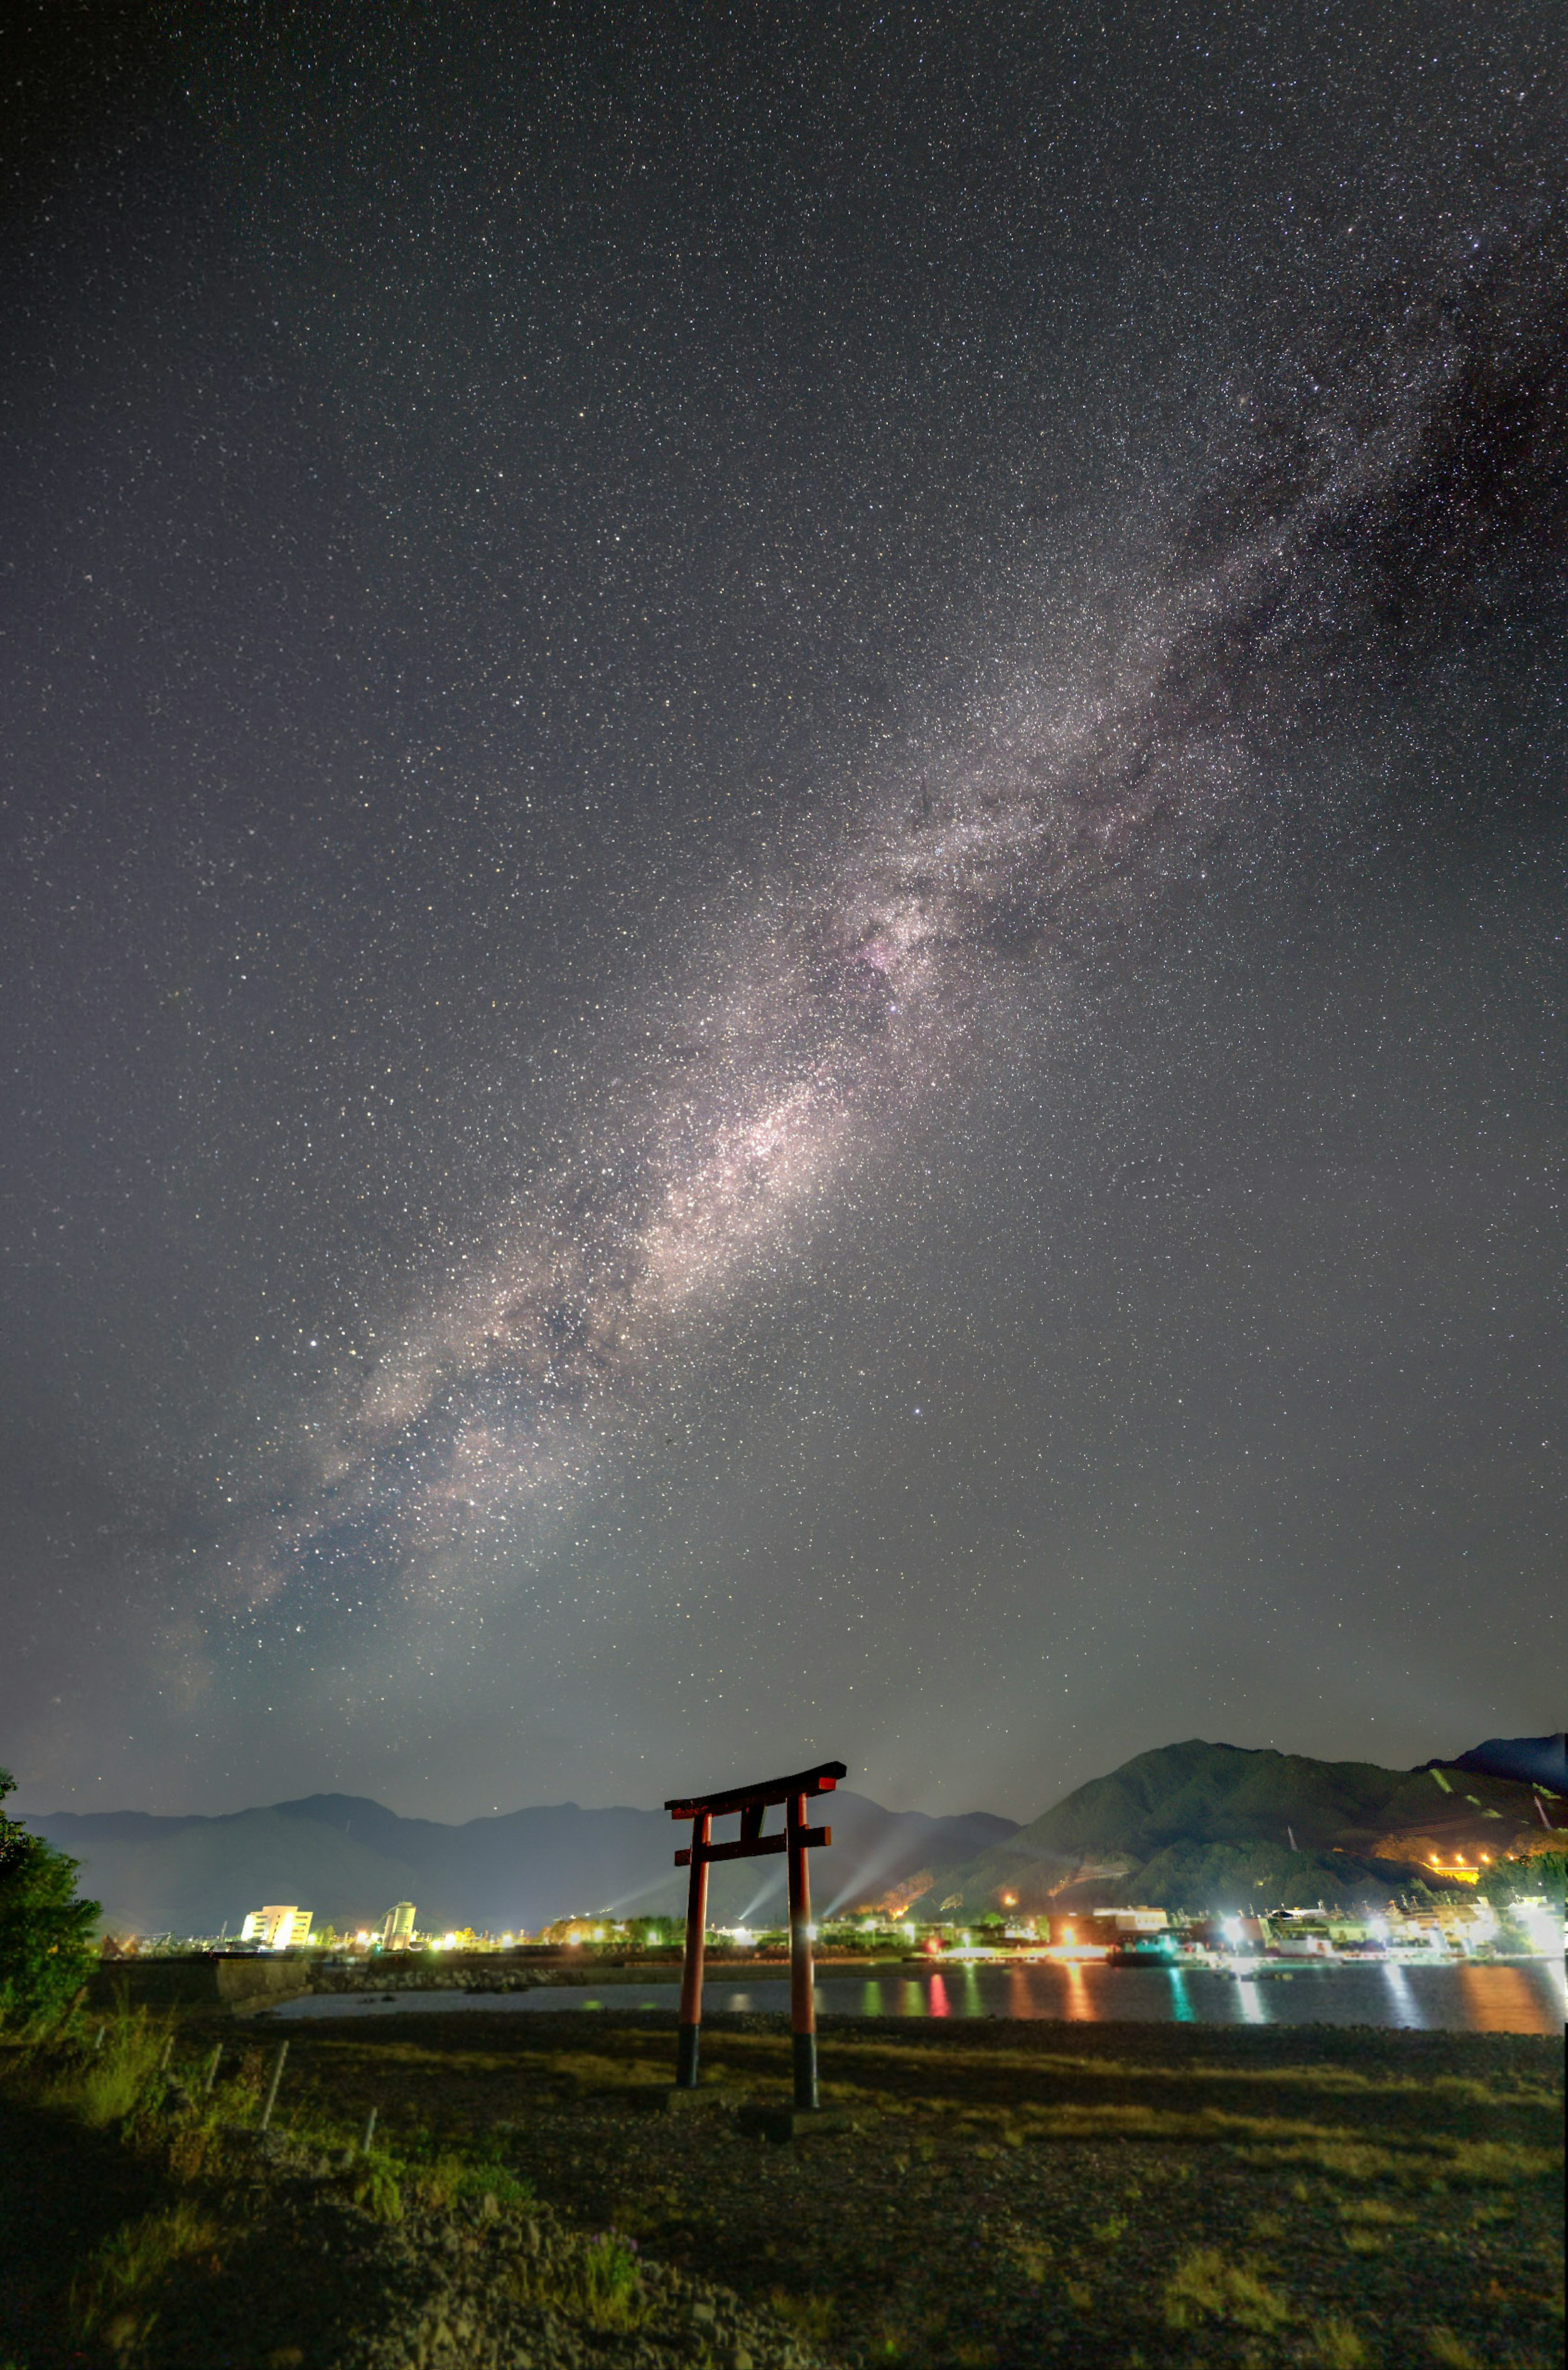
point(1518, 1998)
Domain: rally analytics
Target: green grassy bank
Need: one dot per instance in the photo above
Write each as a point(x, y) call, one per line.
point(1013, 2194)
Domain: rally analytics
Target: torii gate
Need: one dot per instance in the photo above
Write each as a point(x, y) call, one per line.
point(796, 1840)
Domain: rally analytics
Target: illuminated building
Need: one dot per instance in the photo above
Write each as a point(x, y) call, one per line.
point(275, 1928)
point(398, 1930)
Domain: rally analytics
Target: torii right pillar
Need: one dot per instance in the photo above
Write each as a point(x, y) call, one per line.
point(802, 1984)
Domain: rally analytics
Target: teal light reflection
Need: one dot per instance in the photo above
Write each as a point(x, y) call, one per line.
point(1181, 2006)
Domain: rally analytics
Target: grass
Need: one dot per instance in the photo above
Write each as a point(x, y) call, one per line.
point(1334, 2345)
point(810, 2316)
point(1203, 2286)
point(1452, 2353)
point(437, 2175)
point(104, 2080)
point(373, 2184)
point(998, 2201)
point(114, 2298)
point(600, 2284)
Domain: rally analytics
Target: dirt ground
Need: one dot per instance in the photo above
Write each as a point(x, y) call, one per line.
point(1010, 2194)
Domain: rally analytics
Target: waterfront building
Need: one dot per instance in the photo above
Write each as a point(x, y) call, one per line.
point(276, 1928)
point(397, 1932)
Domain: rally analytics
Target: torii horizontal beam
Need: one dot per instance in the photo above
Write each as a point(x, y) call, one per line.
point(748, 1848)
point(820, 1780)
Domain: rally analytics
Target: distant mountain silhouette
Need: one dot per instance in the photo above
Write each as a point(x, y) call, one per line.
point(349, 1860)
point(1198, 1825)
point(1533, 1760)
point(1188, 1826)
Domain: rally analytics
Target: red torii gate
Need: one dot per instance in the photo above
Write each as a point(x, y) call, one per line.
point(796, 1840)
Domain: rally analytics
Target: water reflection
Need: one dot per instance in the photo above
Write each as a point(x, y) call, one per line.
point(1081, 2005)
point(1501, 1999)
point(1404, 2007)
point(1249, 1998)
point(1521, 1997)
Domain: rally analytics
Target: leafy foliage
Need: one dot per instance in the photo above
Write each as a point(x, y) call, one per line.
point(46, 1947)
point(1508, 1880)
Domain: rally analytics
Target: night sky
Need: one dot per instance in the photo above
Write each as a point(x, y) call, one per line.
point(784, 882)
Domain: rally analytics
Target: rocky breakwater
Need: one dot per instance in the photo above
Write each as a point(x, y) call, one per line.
point(204, 1981)
point(388, 1978)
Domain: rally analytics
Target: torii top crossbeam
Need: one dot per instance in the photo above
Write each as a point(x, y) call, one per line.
point(820, 1780)
point(795, 1840)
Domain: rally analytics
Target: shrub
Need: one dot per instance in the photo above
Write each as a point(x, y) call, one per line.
point(46, 1947)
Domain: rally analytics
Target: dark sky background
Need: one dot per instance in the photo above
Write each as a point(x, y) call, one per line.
point(783, 839)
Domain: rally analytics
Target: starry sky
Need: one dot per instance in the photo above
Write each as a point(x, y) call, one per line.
point(784, 865)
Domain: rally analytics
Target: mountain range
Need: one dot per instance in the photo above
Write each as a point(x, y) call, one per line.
point(1200, 1825)
point(349, 1860)
point(1189, 1825)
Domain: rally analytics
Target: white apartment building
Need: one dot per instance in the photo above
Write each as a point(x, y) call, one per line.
point(275, 1928)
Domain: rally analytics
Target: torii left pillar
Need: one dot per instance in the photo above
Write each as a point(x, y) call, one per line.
point(691, 2027)
point(796, 1840)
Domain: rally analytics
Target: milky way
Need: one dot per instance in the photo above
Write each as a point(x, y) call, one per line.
point(782, 836)
point(1402, 489)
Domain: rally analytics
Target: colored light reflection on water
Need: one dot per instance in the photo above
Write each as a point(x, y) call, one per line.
point(1520, 1997)
point(1403, 2006)
point(1079, 2005)
point(1495, 2007)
